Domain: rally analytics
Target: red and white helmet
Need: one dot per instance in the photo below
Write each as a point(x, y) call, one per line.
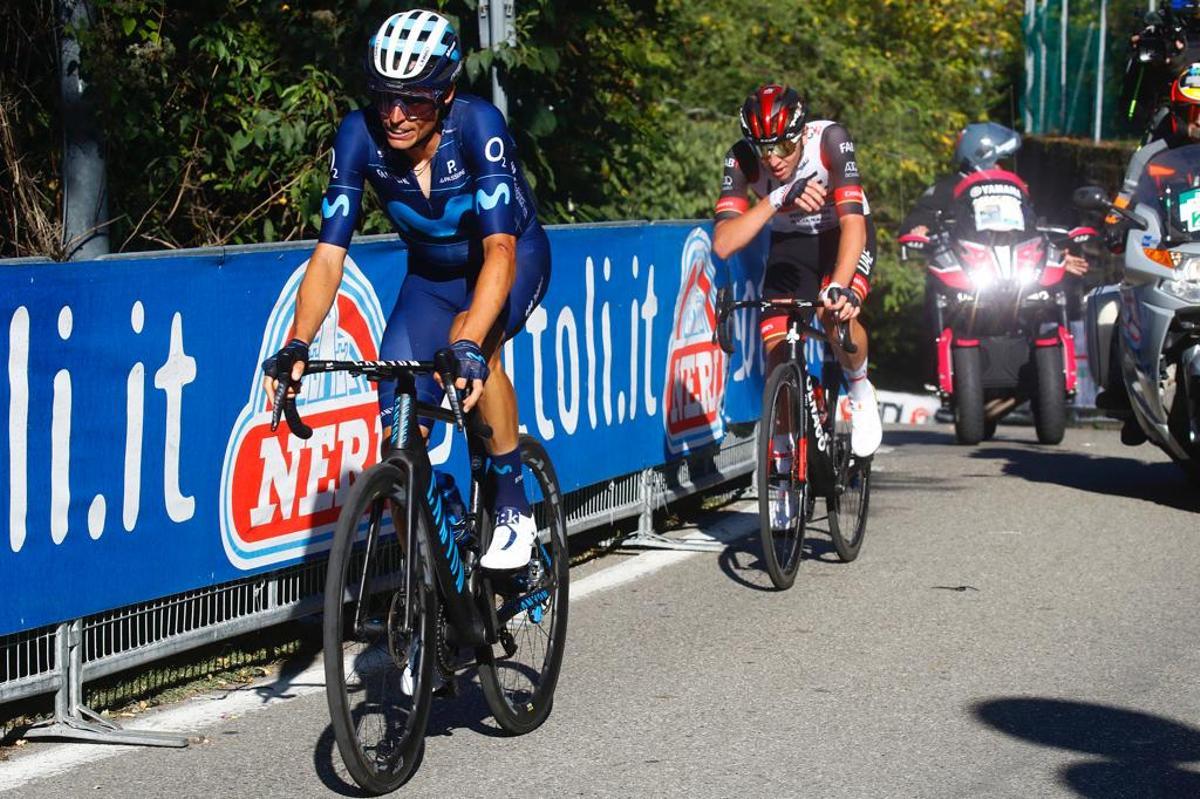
point(773, 113)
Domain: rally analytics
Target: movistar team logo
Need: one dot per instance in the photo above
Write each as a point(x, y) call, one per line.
point(488, 201)
point(280, 495)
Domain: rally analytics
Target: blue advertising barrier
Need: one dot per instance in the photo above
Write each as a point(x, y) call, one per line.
point(139, 458)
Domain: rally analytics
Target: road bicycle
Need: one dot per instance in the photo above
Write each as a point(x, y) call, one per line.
point(406, 603)
point(803, 445)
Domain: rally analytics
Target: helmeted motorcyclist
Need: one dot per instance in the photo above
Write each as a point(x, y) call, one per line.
point(1178, 126)
point(1167, 42)
point(980, 146)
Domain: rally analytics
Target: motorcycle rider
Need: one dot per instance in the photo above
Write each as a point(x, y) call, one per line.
point(1178, 127)
point(1168, 41)
point(980, 146)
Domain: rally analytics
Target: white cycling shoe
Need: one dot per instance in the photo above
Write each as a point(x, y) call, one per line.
point(512, 541)
point(866, 428)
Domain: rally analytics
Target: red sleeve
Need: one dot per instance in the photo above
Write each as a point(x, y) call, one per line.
point(837, 152)
point(733, 200)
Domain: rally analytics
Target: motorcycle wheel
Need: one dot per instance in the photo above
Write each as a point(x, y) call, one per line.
point(1050, 400)
point(968, 396)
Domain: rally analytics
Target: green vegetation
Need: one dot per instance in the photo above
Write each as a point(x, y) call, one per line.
point(219, 115)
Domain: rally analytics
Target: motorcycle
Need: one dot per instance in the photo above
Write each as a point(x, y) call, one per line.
point(1000, 309)
point(1144, 332)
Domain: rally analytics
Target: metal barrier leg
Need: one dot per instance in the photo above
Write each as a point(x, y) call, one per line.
point(75, 721)
point(646, 537)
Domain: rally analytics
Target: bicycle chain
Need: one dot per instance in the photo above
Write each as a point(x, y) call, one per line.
point(441, 648)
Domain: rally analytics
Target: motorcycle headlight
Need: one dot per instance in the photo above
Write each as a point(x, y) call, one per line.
point(1186, 283)
point(983, 279)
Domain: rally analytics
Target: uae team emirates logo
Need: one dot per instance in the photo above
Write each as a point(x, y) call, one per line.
point(280, 495)
point(695, 388)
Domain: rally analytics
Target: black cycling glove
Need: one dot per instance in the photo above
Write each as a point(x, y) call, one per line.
point(471, 363)
point(279, 365)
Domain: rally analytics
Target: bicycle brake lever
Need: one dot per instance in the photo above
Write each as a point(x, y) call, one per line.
point(443, 362)
point(286, 406)
point(299, 428)
point(281, 389)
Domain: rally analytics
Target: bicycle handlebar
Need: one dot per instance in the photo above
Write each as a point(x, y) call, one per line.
point(843, 330)
point(443, 365)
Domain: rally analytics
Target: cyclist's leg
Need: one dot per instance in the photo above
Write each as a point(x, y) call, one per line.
point(866, 427)
point(498, 403)
point(418, 327)
point(515, 529)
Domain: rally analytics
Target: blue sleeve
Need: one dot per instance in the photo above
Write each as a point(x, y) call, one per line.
point(347, 167)
point(491, 157)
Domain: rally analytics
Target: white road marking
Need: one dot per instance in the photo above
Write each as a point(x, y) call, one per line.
point(51, 759)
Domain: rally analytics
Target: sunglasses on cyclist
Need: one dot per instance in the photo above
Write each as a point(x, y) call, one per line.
point(780, 149)
point(413, 106)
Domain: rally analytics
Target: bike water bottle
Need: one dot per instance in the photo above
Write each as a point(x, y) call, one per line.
point(456, 511)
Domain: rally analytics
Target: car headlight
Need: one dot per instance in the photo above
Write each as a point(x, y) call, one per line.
point(1186, 283)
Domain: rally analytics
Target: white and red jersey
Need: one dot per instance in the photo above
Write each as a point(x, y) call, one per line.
point(827, 156)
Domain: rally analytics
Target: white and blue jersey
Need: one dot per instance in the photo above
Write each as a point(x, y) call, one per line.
point(477, 187)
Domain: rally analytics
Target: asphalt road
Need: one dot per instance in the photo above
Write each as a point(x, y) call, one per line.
point(1022, 622)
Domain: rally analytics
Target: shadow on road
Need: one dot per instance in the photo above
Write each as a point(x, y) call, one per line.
point(467, 711)
point(742, 560)
point(1142, 753)
point(330, 769)
point(1161, 483)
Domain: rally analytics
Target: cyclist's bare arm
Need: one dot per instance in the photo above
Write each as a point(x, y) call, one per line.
point(495, 281)
point(850, 248)
point(492, 288)
point(317, 291)
point(733, 233)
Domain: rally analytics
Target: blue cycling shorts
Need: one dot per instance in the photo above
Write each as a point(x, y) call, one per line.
point(430, 298)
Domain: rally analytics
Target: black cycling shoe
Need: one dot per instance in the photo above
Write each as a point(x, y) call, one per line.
point(1132, 434)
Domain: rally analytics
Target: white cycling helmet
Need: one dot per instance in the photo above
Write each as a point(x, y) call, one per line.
point(415, 49)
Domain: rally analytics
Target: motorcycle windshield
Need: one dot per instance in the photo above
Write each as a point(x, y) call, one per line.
point(1170, 183)
point(992, 208)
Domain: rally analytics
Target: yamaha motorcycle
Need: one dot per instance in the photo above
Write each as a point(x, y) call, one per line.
point(1144, 332)
point(1000, 310)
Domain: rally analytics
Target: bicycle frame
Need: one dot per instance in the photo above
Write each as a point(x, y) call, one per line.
point(474, 621)
point(409, 454)
point(820, 394)
point(820, 402)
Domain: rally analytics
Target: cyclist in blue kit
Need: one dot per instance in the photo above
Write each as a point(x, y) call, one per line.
point(444, 168)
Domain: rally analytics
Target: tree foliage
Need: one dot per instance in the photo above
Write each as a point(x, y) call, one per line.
point(219, 115)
